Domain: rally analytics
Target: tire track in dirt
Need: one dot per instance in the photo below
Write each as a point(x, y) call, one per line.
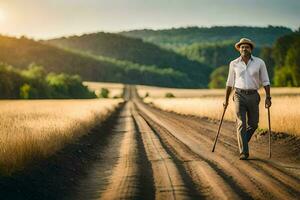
point(99, 175)
point(209, 180)
point(266, 165)
point(266, 169)
point(168, 181)
point(234, 177)
point(263, 180)
point(123, 170)
point(124, 180)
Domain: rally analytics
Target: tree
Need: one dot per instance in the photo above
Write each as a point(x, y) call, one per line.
point(34, 76)
point(292, 61)
point(266, 55)
point(218, 77)
point(283, 77)
point(68, 86)
point(10, 82)
point(287, 70)
point(25, 91)
point(104, 93)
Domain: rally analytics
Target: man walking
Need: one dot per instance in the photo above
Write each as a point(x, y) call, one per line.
point(246, 74)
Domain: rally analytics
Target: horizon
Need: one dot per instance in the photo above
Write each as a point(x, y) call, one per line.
point(128, 30)
point(53, 18)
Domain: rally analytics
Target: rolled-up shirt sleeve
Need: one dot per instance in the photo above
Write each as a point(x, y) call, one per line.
point(231, 77)
point(263, 74)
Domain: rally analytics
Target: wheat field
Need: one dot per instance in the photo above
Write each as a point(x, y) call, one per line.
point(285, 110)
point(32, 129)
point(159, 92)
point(115, 89)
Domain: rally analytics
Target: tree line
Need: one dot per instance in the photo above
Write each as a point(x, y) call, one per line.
point(35, 83)
point(184, 36)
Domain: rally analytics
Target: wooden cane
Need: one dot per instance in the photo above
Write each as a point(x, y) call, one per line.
point(269, 122)
point(216, 138)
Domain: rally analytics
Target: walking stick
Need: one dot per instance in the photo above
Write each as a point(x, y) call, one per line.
point(269, 122)
point(216, 139)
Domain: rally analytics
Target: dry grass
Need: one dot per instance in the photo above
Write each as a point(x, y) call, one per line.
point(32, 129)
point(115, 89)
point(285, 111)
point(159, 92)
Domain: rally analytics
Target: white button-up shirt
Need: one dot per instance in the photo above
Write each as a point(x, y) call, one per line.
point(247, 77)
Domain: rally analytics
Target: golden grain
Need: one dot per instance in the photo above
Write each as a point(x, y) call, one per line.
point(157, 92)
point(285, 110)
point(33, 129)
point(115, 89)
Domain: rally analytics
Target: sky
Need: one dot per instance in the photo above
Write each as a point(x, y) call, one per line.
point(44, 19)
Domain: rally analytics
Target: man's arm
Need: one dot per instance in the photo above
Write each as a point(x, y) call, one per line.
point(266, 83)
point(229, 84)
point(268, 102)
point(228, 91)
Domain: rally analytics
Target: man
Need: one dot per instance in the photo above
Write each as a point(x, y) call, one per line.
point(246, 74)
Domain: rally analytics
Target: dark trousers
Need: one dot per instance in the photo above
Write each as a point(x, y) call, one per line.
point(247, 117)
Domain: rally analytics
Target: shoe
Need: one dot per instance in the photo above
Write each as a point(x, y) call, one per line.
point(244, 156)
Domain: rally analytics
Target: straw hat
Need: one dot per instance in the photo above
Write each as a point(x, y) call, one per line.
point(244, 41)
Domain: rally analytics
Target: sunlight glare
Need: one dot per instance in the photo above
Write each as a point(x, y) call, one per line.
point(2, 16)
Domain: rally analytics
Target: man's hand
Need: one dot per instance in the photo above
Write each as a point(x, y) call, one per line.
point(225, 104)
point(268, 102)
point(228, 91)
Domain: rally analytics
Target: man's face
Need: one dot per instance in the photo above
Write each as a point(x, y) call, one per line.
point(245, 50)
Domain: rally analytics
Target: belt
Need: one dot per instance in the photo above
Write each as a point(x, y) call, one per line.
point(245, 91)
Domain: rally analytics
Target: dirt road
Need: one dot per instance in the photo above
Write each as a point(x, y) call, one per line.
point(160, 155)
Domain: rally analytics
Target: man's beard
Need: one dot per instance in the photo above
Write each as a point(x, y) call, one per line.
point(246, 54)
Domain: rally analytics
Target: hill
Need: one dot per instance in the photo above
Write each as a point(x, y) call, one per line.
point(178, 37)
point(213, 54)
point(21, 52)
point(137, 51)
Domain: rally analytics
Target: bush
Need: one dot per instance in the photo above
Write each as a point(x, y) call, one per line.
point(104, 93)
point(169, 95)
point(68, 86)
point(218, 77)
point(25, 91)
